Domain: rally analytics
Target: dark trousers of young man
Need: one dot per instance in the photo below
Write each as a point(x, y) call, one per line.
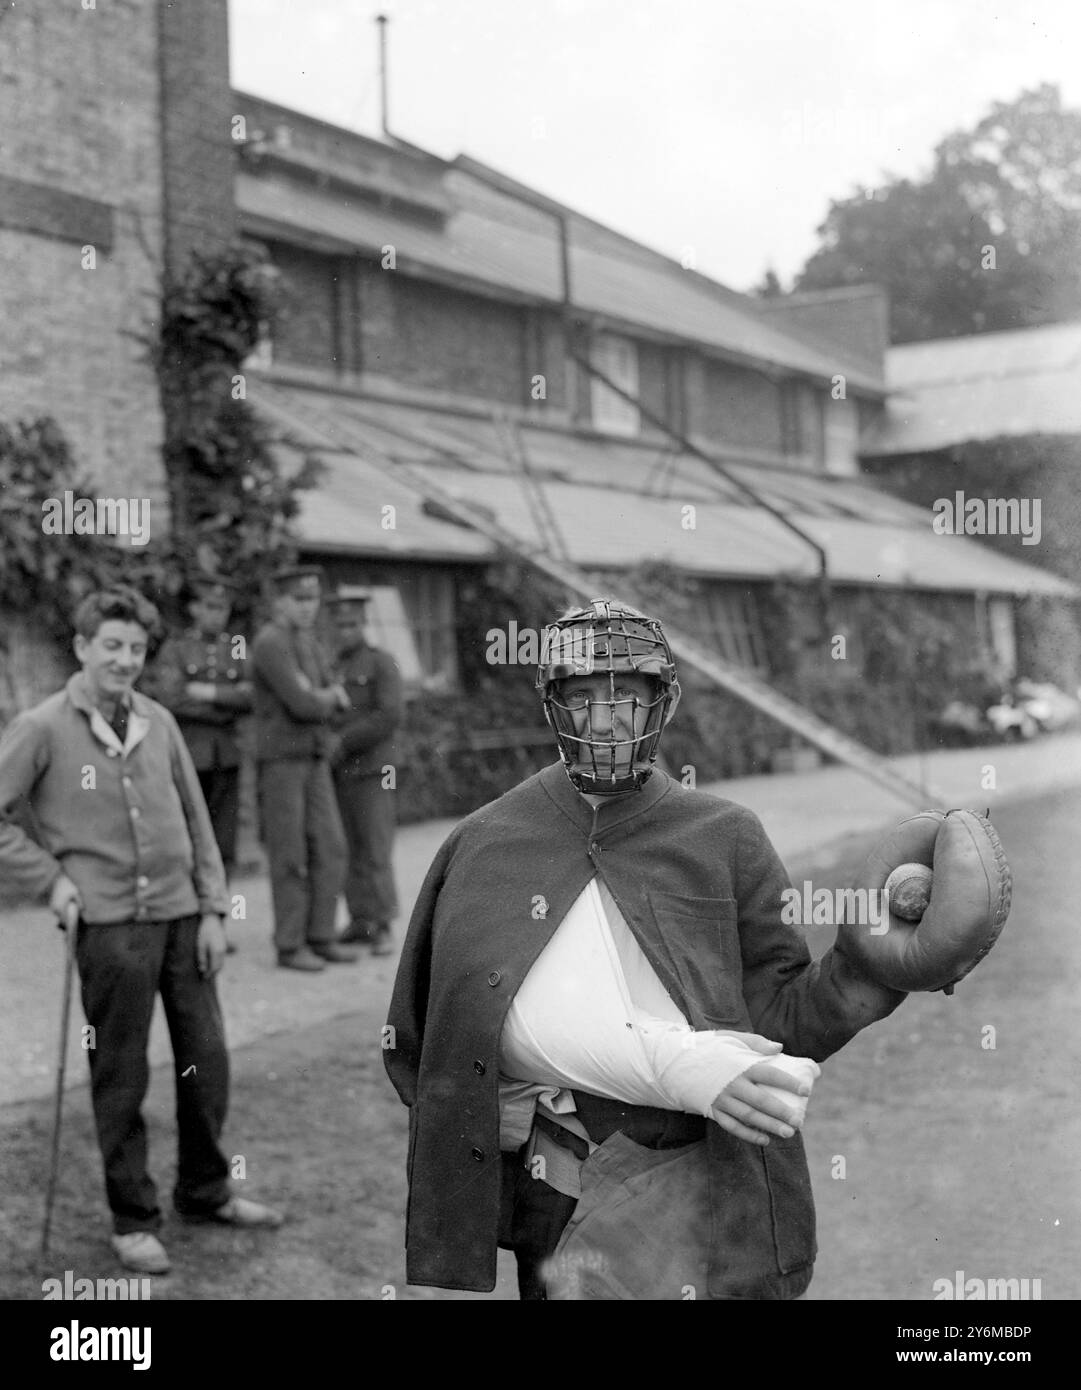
point(121, 970)
point(306, 849)
point(369, 816)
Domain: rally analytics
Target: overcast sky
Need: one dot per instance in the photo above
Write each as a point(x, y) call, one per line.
point(713, 129)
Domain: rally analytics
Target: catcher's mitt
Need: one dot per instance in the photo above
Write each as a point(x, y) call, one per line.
point(970, 901)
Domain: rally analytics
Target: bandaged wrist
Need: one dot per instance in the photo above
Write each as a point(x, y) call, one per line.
point(693, 1068)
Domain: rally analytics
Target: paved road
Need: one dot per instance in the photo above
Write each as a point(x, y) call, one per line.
point(803, 812)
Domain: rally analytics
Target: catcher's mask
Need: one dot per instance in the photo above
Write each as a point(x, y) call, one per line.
point(607, 639)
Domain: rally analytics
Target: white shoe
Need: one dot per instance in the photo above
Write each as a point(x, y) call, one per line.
point(141, 1251)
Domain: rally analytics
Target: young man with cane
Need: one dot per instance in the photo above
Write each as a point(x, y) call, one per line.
point(126, 844)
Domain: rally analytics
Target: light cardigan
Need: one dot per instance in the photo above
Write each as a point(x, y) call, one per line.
point(128, 825)
point(699, 885)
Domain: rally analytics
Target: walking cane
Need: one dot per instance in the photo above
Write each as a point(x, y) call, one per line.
point(70, 926)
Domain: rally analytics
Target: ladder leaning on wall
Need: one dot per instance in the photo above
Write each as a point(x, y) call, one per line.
point(331, 432)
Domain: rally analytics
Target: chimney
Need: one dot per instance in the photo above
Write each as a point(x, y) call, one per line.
point(196, 107)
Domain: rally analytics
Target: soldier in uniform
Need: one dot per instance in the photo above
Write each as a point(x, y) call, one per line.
point(295, 703)
point(202, 677)
point(374, 686)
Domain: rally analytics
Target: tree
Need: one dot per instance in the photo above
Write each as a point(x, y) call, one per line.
point(43, 574)
point(769, 287)
point(989, 239)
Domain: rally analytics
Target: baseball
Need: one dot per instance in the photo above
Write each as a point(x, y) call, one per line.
point(909, 889)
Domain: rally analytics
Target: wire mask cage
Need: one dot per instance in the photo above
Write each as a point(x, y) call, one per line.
point(606, 640)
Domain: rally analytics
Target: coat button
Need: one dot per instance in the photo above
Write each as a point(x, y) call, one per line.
point(494, 977)
point(479, 1068)
point(594, 848)
point(478, 1154)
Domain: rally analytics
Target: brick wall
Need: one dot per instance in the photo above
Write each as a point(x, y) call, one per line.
point(196, 144)
point(732, 405)
point(79, 149)
point(657, 387)
point(546, 356)
point(428, 336)
point(305, 333)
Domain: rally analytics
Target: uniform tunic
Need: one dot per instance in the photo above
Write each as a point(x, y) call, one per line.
point(209, 726)
point(301, 825)
point(367, 806)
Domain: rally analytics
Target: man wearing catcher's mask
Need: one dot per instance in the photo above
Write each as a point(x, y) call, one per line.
point(604, 1029)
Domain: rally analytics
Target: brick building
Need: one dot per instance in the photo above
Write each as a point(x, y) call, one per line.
point(439, 316)
point(449, 330)
point(996, 416)
point(115, 160)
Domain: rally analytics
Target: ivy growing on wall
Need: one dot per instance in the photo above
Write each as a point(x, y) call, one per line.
point(231, 504)
point(232, 507)
point(42, 576)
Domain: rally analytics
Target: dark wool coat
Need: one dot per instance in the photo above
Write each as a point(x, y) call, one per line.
point(700, 886)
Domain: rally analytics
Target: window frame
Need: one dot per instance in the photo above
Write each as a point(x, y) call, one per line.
point(616, 356)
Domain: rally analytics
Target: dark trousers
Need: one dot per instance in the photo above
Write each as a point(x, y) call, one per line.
point(369, 815)
point(221, 792)
point(121, 969)
point(305, 844)
point(531, 1221)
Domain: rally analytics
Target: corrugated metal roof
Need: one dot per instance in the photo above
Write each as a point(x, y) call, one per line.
point(497, 239)
point(611, 511)
point(344, 515)
point(987, 386)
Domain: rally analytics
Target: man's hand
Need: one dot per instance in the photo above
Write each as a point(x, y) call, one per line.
point(64, 901)
point(201, 690)
point(210, 945)
point(334, 698)
point(744, 1109)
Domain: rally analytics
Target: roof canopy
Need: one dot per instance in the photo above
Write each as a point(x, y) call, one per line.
point(953, 391)
point(617, 504)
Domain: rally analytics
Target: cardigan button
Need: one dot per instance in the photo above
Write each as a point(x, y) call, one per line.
point(478, 1154)
point(479, 1068)
point(494, 978)
point(594, 848)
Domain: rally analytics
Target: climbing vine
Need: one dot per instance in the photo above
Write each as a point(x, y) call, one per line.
point(232, 504)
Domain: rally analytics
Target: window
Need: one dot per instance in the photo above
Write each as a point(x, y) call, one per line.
point(803, 428)
point(842, 435)
point(617, 358)
point(998, 636)
point(261, 356)
point(429, 602)
point(392, 631)
point(732, 625)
